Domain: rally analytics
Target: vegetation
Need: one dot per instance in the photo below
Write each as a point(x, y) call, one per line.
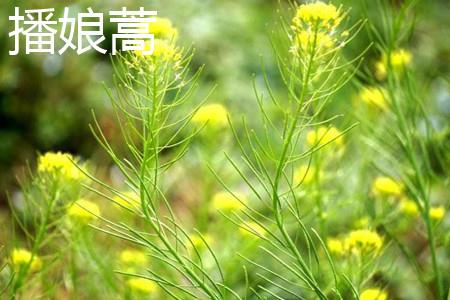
point(333, 185)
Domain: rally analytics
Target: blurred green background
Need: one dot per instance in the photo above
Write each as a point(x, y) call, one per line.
point(46, 100)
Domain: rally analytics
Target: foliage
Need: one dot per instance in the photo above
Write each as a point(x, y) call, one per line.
point(300, 198)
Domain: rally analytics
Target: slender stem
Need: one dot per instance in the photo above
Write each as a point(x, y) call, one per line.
point(281, 165)
point(411, 155)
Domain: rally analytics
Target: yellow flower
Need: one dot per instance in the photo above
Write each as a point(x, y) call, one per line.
point(304, 174)
point(215, 114)
point(133, 257)
point(374, 97)
point(162, 49)
point(60, 164)
point(22, 257)
point(224, 201)
point(142, 285)
point(166, 50)
point(163, 29)
point(324, 14)
point(306, 40)
point(129, 200)
point(252, 229)
point(363, 241)
point(373, 294)
point(437, 213)
point(84, 210)
point(324, 135)
point(409, 207)
point(380, 70)
point(400, 58)
point(335, 246)
point(386, 186)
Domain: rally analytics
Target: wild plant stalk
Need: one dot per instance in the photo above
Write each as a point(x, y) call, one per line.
point(413, 148)
point(312, 72)
point(408, 110)
point(148, 92)
point(40, 206)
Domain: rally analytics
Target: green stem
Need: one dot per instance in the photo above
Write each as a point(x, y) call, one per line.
point(281, 165)
point(410, 154)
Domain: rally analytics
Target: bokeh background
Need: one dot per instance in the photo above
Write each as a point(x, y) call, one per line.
point(46, 100)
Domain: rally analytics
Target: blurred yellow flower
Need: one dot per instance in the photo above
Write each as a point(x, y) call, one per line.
point(304, 174)
point(373, 294)
point(307, 40)
point(335, 246)
point(380, 70)
point(317, 12)
point(374, 97)
point(224, 201)
point(142, 285)
point(84, 210)
point(133, 257)
point(163, 29)
point(215, 114)
point(128, 200)
point(166, 50)
point(162, 49)
point(399, 59)
point(386, 186)
point(363, 241)
point(437, 213)
point(252, 229)
point(60, 164)
point(21, 257)
point(197, 241)
point(324, 135)
point(409, 207)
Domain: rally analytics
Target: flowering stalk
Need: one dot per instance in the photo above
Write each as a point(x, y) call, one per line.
point(150, 124)
point(398, 97)
point(46, 196)
point(311, 64)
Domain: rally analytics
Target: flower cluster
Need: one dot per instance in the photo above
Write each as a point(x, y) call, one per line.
point(437, 213)
point(373, 294)
point(304, 174)
point(142, 285)
point(409, 207)
point(325, 135)
point(132, 260)
point(163, 28)
point(358, 242)
point(60, 164)
point(398, 59)
point(226, 202)
point(128, 200)
point(164, 44)
point(385, 186)
point(84, 211)
point(314, 27)
point(374, 97)
point(214, 114)
point(133, 257)
point(335, 246)
point(363, 241)
point(22, 258)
